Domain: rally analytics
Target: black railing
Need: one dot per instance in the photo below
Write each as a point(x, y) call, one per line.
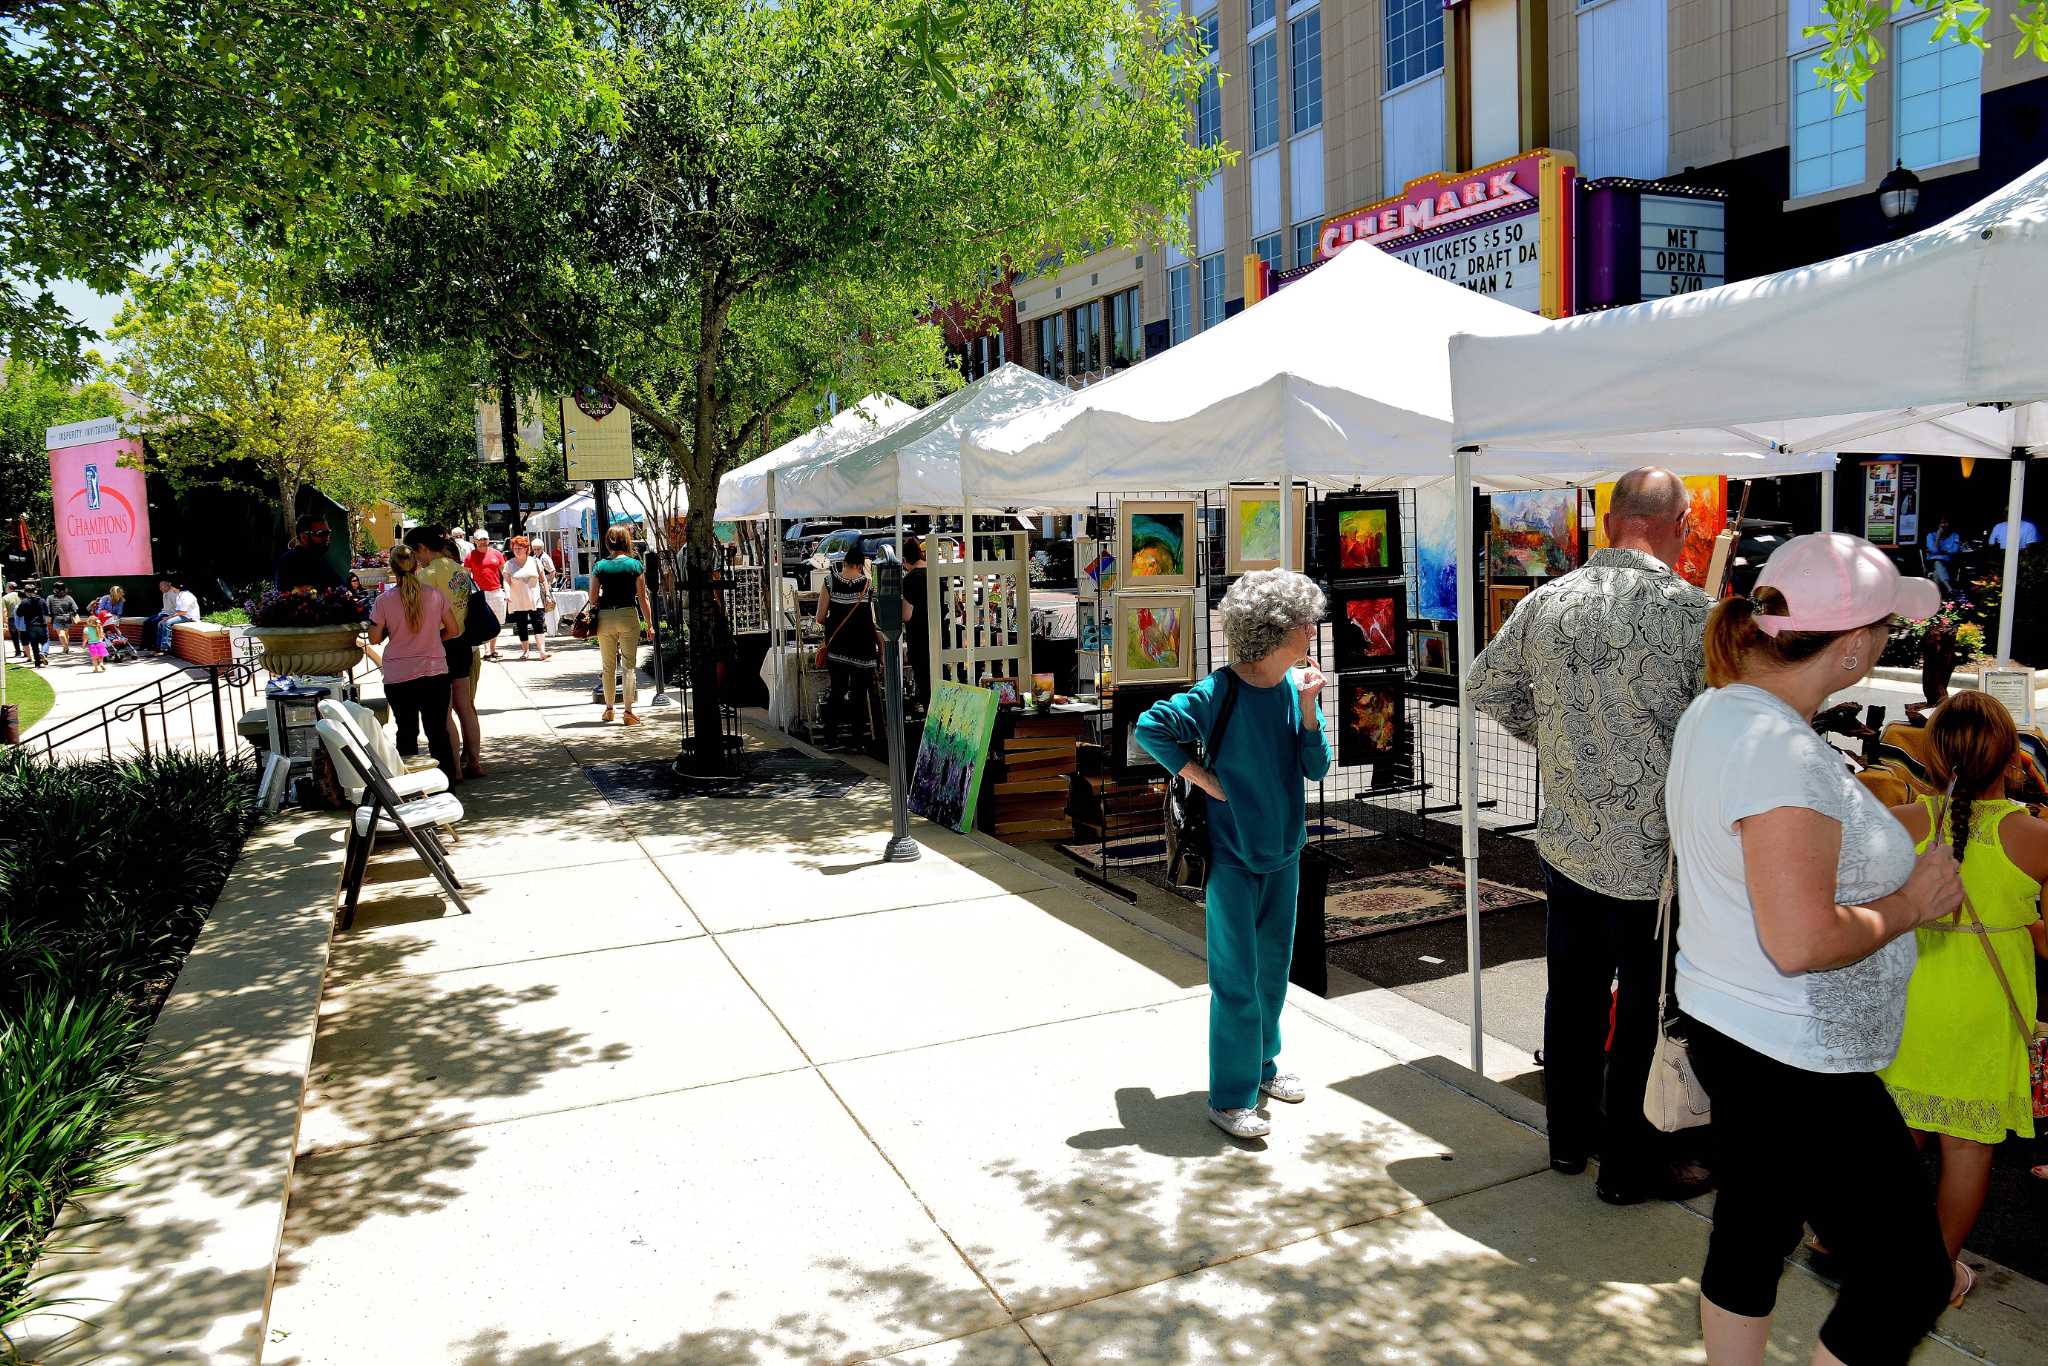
point(204, 702)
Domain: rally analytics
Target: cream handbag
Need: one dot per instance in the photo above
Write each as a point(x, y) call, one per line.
point(1673, 1098)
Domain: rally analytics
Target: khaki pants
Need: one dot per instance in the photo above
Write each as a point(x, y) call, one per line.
point(618, 637)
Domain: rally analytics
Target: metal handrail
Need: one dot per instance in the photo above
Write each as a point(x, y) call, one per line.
point(159, 700)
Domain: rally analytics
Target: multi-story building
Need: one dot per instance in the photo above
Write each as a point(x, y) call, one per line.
point(1334, 106)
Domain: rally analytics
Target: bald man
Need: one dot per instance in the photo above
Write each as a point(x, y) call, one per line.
point(1594, 669)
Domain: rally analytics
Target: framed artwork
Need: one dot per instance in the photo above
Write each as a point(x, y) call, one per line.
point(1155, 635)
point(1005, 690)
point(1093, 629)
point(1042, 685)
point(1709, 515)
point(1131, 702)
point(1436, 551)
point(946, 782)
point(1155, 544)
point(1370, 624)
point(1359, 533)
point(1252, 529)
point(1372, 725)
point(1533, 535)
point(1094, 567)
point(1500, 604)
point(1432, 652)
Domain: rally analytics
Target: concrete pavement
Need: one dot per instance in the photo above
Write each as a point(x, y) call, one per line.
point(703, 1081)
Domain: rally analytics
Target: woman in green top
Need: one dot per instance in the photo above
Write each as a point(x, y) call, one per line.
point(618, 589)
point(1272, 745)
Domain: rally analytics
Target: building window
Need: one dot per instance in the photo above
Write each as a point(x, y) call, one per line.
point(1209, 99)
point(1126, 329)
point(1937, 81)
point(1415, 40)
point(1272, 250)
point(1305, 67)
point(1180, 303)
point(1052, 357)
point(1306, 236)
point(1086, 331)
point(1263, 60)
point(1212, 290)
point(1258, 12)
point(1827, 147)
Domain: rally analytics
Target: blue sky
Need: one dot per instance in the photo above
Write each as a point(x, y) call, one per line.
point(94, 309)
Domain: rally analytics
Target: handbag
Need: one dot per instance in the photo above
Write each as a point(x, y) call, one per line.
point(1188, 857)
point(585, 624)
point(1673, 1099)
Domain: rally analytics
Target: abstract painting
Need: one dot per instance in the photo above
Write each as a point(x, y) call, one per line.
point(1370, 623)
point(1360, 534)
point(1005, 690)
point(1436, 551)
point(946, 783)
point(1156, 544)
point(1093, 631)
point(1094, 567)
point(1132, 701)
point(1709, 515)
point(1253, 533)
point(1372, 725)
point(1155, 637)
point(1533, 535)
point(1432, 652)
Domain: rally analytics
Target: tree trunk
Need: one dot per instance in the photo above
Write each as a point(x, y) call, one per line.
point(705, 752)
point(288, 499)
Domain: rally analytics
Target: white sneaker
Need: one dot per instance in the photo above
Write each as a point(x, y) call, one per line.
point(1285, 1086)
point(1240, 1123)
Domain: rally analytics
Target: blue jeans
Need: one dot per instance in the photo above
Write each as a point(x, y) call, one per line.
point(158, 630)
point(1250, 927)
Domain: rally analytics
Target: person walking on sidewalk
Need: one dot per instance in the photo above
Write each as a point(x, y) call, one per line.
point(529, 592)
point(1266, 707)
point(853, 650)
point(487, 567)
point(1801, 895)
point(1594, 669)
point(10, 607)
point(33, 613)
point(433, 551)
point(619, 591)
point(413, 622)
point(1962, 1078)
point(63, 615)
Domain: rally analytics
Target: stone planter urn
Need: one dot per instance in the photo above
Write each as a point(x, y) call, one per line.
point(300, 650)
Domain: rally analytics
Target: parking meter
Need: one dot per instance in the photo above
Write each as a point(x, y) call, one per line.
point(889, 617)
point(889, 598)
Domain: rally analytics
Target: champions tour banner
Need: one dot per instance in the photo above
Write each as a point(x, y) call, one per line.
point(98, 500)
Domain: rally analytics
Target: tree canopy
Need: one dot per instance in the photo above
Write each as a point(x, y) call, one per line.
point(1856, 32)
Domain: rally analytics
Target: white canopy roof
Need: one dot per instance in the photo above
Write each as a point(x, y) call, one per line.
point(1890, 349)
point(743, 492)
point(566, 515)
point(627, 497)
point(914, 465)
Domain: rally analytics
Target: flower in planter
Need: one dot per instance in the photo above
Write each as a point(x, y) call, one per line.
point(308, 607)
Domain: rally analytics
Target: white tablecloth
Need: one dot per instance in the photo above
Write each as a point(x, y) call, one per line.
point(780, 676)
point(568, 602)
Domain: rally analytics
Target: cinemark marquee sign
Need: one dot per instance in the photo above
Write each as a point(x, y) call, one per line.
point(1503, 230)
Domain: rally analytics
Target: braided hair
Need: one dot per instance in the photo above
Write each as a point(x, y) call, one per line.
point(1972, 741)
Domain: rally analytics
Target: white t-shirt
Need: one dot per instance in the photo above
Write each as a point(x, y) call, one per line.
point(183, 601)
point(523, 582)
point(1740, 751)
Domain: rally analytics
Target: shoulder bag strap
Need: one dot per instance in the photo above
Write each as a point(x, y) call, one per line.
point(1213, 744)
point(833, 634)
point(1664, 897)
point(1982, 934)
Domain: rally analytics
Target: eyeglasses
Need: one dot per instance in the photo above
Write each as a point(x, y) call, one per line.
point(321, 533)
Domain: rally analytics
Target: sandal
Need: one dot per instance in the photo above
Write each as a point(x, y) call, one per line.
point(1966, 1281)
point(631, 719)
point(472, 769)
point(607, 715)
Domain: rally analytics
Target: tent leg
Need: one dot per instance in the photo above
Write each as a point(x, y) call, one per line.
point(1468, 747)
point(2015, 491)
point(1827, 500)
point(1286, 517)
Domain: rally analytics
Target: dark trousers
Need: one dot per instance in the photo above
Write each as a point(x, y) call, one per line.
point(530, 623)
point(1826, 1148)
point(423, 702)
point(35, 635)
point(1592, 941)
point(851, 708)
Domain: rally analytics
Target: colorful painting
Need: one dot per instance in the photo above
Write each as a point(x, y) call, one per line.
point(1006, 692)
point(1093, 632)
point(1372, 725)
point(1709, 515)
point(1253, 532)
point(1094, 567)
point(946, 782)
point(1370, 623)
point(1155, 634)
point(1433, 652)
point(1436, 551)
point(1132, 702)
point(1156, 544)
point(1359, 534)
point(1533, 535)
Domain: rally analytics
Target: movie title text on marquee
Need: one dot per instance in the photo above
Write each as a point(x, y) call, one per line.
point(1684, 245)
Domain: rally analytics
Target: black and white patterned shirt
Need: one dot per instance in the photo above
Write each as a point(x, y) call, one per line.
point(1595, 669)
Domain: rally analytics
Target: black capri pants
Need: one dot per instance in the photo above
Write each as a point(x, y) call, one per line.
point(1826, 1148)
point(532, 622)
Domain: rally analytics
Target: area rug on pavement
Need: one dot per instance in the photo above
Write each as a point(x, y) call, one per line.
point(1132, 851)
point(777, 773)
point(1415, 896)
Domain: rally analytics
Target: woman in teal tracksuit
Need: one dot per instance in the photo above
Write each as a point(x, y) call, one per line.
point(1272, 744)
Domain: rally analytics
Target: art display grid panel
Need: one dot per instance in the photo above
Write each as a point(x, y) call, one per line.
point(979, 600)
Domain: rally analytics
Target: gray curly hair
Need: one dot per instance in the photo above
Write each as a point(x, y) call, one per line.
point(1262, 608)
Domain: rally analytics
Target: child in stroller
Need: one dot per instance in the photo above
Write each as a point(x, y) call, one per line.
point(118, 648)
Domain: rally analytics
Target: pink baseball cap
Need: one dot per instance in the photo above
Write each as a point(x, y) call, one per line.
point(1833, 582)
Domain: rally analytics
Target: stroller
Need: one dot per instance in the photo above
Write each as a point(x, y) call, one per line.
point(120, 650)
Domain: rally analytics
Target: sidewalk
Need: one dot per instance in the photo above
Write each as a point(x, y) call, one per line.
point(703, 1081)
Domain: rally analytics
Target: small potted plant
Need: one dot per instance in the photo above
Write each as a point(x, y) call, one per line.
point(308, 630)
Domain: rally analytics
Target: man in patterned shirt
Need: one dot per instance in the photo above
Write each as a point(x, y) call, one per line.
point(1594, 669)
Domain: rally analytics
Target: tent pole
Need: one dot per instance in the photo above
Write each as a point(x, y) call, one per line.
point(1827, 500)
point(1468, 747)
point(1286, 517)
point(2015, 489)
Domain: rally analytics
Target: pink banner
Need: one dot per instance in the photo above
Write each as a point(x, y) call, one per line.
point(102, 510)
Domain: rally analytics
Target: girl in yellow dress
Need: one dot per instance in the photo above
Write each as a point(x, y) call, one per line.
point(1961, 1076)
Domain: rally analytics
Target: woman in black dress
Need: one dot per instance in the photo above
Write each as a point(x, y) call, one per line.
point(853, 649)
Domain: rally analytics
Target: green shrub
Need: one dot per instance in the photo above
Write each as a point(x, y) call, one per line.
point(227, 616)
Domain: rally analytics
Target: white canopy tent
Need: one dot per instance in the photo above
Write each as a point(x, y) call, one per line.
point(1341, 380)
point(750, 492)
point(1931, 345)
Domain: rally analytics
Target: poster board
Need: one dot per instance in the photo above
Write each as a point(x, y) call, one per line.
point(1881, 502)
point(597, 436)
point(99, 500)
point(2011, 685)
point(945, 784)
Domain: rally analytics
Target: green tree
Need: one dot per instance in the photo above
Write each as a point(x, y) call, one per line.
point(1855, 33)
point(34, 398)
point(234, 370)
point(789, 189)
point(129, 125)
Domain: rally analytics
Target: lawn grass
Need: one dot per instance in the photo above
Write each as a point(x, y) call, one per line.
point(31, 692)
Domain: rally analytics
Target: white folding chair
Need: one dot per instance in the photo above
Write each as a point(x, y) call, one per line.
point(406, 786)
point(418, 820)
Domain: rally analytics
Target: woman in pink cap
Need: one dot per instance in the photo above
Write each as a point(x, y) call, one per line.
point(1801, 893)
